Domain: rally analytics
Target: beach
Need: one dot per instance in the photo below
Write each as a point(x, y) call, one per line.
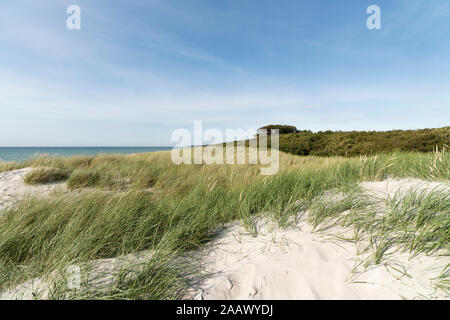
point(299, 261)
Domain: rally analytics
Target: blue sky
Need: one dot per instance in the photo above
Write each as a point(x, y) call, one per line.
point(137, 70)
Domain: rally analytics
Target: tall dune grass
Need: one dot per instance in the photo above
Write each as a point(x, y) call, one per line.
point(46, 175)
point(178, 208)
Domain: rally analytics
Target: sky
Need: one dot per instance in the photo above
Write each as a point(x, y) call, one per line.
point(139, 69)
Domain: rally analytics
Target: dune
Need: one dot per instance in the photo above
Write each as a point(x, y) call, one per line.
point(279, 263)
point(12, 187)
point(298, 263)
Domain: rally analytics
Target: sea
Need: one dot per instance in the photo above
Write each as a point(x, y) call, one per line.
point(18, 154)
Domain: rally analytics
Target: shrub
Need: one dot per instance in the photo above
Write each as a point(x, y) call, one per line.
point(282, 129)
point(354, 143)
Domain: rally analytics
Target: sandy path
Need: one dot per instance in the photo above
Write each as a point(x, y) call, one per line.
point(12, 187)
point(389, 187)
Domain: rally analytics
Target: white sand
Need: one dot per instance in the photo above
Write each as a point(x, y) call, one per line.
point(12, 187)
point(101, 274)
point(389, 187)
point(293, 263)
point(299, 264)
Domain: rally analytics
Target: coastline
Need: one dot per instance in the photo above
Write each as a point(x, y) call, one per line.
point(17, 154)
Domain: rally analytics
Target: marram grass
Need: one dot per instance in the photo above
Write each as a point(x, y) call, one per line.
point(46, 175)
point(179, 209)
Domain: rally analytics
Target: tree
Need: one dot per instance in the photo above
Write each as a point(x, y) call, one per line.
point(282, 129)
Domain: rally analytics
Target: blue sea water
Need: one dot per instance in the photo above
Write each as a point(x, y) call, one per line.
point(25, 153)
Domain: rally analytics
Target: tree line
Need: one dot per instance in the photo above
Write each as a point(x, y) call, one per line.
point(353, 143)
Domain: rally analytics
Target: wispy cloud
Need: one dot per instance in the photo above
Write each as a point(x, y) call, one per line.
point(137, 70)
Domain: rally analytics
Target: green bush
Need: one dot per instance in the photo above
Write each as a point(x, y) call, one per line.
point(282, 129)
point(354, 143)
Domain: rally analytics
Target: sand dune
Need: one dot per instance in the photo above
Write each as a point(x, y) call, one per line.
point(299, 264)
point(12, 187)
point(293, 263)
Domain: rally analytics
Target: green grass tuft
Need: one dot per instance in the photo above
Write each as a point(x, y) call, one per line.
point(46, 175)
point(83, 178)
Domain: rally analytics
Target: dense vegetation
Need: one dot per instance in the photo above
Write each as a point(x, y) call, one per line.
point(353, 143)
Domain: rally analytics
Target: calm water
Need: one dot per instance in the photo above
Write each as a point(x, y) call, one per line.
point(25, 153)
